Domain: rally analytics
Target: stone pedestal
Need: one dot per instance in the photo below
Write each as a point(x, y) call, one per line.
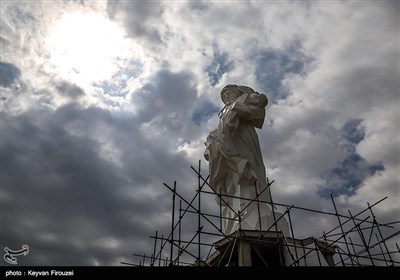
point(271, 249)
point(244, 253)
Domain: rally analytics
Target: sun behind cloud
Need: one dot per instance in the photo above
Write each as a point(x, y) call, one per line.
point(86, 47)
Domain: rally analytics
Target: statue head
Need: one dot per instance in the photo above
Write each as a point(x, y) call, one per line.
point(231, 92)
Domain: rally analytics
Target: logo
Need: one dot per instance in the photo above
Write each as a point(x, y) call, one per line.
point(10, 255)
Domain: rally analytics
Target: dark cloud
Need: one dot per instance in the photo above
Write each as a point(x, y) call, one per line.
point(61, 193)
point(200, 6)
point(353, 131)
point(167, 94)
point(69, 90)
point(204, 112)
point(165, 109)
point(8, 74)
point(138, 17)
point(89, 176)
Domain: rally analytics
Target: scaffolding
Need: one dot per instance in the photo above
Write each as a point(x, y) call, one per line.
point(357, 240)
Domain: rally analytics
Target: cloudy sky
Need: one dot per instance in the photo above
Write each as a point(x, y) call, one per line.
point(102, 102)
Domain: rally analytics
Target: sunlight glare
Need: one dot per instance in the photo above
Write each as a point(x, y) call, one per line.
point(87, 47)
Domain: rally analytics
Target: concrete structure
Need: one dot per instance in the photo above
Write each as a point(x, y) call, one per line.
point(272, 249)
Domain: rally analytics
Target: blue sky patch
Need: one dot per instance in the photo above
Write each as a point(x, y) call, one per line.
point(219, 66)
point(8, 74)
point(119, 82)
point(348, 176)
point(205, 110)
point(272, 66)
point(24, 16)
point(353, 131)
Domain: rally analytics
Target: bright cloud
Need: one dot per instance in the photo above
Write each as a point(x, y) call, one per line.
point(102, 102)
point(86, 46)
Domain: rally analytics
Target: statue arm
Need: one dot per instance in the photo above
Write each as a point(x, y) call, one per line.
point(251, 107)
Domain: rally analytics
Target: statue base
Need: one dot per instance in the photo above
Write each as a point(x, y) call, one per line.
point(271, 248)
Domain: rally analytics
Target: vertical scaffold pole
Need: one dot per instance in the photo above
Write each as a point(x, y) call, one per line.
point(199, 215)
point(172, 225)
point(293, 238)
point(154, 249)
point(180, 228)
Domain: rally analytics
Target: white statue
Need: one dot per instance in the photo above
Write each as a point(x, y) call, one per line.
point(235, 160)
